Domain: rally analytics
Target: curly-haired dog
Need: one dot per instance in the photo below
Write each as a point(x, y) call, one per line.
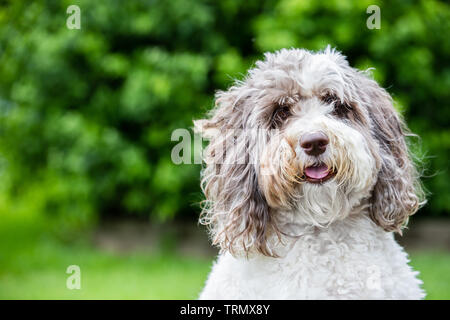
point(307, 177)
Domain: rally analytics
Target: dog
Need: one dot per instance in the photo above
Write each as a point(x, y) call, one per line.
point(307, 177)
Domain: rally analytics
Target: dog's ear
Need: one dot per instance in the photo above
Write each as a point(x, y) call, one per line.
point(397, 193)
point(235, 209)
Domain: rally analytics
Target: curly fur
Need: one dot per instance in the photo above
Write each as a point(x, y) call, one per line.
point(265, 216)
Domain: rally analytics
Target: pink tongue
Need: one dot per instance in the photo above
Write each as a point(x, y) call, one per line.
point(318, 172)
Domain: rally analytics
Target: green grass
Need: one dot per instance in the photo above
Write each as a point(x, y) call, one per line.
point(434, 268)
point(33, 266)
point(103, 276)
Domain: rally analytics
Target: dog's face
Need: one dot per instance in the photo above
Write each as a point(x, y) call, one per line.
point(308, 139)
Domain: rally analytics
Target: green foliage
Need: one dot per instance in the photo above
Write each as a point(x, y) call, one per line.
point(86, 115)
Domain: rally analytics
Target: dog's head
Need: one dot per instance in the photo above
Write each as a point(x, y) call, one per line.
point(304, 135)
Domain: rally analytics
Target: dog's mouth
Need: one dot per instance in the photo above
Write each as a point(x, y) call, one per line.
point(318, 173)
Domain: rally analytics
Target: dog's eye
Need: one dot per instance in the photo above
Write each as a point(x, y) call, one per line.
point(341, 109)
point(280, 115)
point(329, 98)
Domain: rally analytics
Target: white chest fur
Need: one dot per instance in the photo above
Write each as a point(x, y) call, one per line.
point(351, 259)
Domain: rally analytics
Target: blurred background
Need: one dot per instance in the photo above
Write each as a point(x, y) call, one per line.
point(86, 117)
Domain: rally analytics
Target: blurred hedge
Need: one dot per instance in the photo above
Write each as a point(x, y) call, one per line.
point(86, 115)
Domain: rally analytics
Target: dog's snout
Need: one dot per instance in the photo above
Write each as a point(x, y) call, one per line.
point(314, 143)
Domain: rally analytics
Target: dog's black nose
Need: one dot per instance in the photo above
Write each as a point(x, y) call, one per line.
point(314, 143)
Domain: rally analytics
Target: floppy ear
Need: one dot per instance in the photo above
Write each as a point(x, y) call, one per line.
point(235, 209)
point(397, 193)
